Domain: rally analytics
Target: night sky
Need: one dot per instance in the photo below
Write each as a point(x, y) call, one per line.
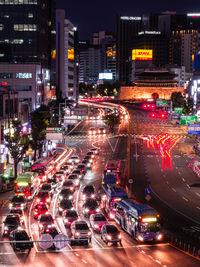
point(90, 16)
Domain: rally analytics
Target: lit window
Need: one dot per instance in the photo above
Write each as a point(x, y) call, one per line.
point(23, 75)
point(1, 27)
point(30, 15)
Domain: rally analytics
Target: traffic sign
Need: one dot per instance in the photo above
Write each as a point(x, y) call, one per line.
point(148, 197)
point(147, 190)
point(130, 181)
point(178, 110)
point(188, 119)
point(194, 129)
point(161, 103)
point(49, 241)
point(60, 241)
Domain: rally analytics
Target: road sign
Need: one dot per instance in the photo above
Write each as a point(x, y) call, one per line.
point(48, 244)
point(161, 103)
point(194, 129)
point(130, 181)
point(147, 191)
point(178, 110)
point(188, 119)
point(148, 197)
point(60, 241)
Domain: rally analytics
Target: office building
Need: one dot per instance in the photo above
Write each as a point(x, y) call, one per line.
point(66, 71)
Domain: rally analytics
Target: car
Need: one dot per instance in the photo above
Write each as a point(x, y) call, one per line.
point(82, 168)
point(65, 193)
point(52, 181)
point(88, 158)
point(69, 165)
point(12, 222)
point(20, 235)
point(51, 230)
point(78, 173)
point(90, 206)
point(65, 204)
point(88, 192)
point(47, 187)
point(19, 212)
point(110, 234)
point(74, 178)
point(92, 131)
point(40, 209)
point(43, 197)
point(69, 216)
point(87, 163)
point(45, 220)
point(69, 184)
point(91, 154)
point(94, 150)
point(60, 175)
point(102, 130)
point(97, 221)
point(18, 202)
point(80, 231)
point(74, 159)
point(66, 169)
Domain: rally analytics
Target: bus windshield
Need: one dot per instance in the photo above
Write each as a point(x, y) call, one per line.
point(149, 227)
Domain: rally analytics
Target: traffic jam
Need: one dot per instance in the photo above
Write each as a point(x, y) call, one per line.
point(53, 208)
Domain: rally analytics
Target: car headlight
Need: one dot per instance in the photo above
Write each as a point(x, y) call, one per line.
point(109, 237)
point(77, 182)
point(89, 233)
point(66, 220)
point(96, 226)
point(119, 236)
point(159, 237)
point(88, 165)
point(70, 197)
point(19, 228)
point(6, 228)
point(86, 210)
point(93, 196)
point(61, 197)
point(77, 233)
point(61, 209)
point(97, 210)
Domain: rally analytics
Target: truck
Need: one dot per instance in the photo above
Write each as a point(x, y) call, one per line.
point(113, 166)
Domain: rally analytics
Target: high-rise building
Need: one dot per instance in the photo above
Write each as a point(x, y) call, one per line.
point(127, 29)
point(66, 75)
point(27, 35)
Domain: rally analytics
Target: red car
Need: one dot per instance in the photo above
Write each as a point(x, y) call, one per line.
point(39, 209)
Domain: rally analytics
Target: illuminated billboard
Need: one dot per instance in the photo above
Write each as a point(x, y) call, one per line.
point(53, 54)
point(142, 54)
point(71, 54)
point(105, 76)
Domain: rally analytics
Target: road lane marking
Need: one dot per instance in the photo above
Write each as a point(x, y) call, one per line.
point(198, 208)
point(188, 186)
point(77, 254)
point(197, 194)
point(183, 179)
point(185, 252)
point(174, 189)
point(185, 199)
point(84, 261)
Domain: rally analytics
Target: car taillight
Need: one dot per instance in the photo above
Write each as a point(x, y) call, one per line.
point(35, 213)
point(66, 220)
point(109, 237)
point(119, 236)
point(89, 233)
point(96, 226)
point(47, 230)
point(77, 233)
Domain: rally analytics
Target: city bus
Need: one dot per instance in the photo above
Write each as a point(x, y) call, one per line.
point(139, 220)
point(111, 194)
point(26, 184)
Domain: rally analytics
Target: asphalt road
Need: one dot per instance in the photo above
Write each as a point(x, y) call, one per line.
point(98, 253)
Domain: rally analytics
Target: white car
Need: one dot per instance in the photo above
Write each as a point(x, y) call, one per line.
point(94, 150)
point(97, 221)
point(81, 231)
point(74, 159)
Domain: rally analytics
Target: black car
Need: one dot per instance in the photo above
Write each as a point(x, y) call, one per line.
point(91, 154)
point(49, 230)
point(47, 187)
point(64, 204)
point(18, 202)
point(90, 206)
point(11, 223)
point(87, 163)
point(88, 192)
point(69, 216)
point(65, 193)
point(20, 235)
point(78, 173)
point(69, 184)
point(89, 159)
point(82, 168)
point(110, 234)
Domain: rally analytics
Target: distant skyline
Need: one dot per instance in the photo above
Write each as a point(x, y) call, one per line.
point(90, 16)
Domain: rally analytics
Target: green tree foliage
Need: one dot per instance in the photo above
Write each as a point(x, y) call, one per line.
point(188, 106)
point(39, 122)
point(112, 120)
point(109, 88)
point(17, 144)
point(177, 100)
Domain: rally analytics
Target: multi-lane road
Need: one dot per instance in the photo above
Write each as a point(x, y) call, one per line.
point(146, 170)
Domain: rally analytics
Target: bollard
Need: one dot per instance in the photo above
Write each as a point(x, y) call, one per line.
point(184, 247)
point(188, 248)
point(179, 244)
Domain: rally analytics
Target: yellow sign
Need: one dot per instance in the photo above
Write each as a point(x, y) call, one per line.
point(71, 54)
point(142, 54)
point(53, 54)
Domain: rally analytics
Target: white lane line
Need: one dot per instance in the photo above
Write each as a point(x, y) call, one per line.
point(179, 173)
point(29, 217)
point(183, 179)
point(174, 189)
point(185, 199)
point(77, 254)
point(188, 186)
point(84, 261)
point(167, 182)
point(158, 262)
point(197, 194)
point(198, 208)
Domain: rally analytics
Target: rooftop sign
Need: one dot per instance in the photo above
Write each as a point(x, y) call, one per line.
point(130, 18)
point(142, 54)
point(149, 32)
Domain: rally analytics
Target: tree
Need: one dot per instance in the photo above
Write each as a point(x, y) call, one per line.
point(39, 122)
point(188, 106)
point(177, 99)
point(112, 120)
point(17, 144)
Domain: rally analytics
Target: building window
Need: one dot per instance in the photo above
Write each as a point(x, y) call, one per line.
point(23, 87)
point(6, 75)
point(23, 75)
point(1, 27)
point(25, 27)
point(30, 15)
point(18, 2)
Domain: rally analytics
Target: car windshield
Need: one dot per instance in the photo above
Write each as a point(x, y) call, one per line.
point(112, 229)
point(21, 236)
point(74, 157)
point(100, 218)
point(12, 220)
point(46, 219)
point(18, 199)
point(91, 204)
point(149, 227)
point(60, 172)
point(46, 187)
point(71, 213)
point(82, 226)
point(90, 153)
point(65, 192)
point(76, 172)
point(88, 189)
point(81, 166)
point(43, 194)
point(68, 183)
point(73, 176)
point(65, 203)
